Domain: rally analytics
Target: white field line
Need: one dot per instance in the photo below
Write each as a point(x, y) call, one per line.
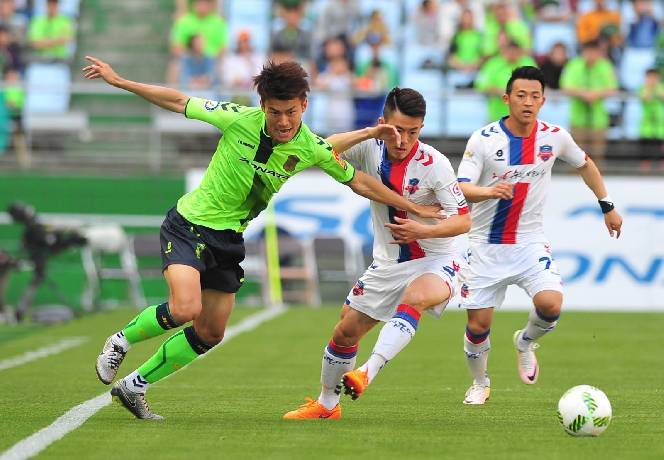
point(76, 416)
point(57, 347)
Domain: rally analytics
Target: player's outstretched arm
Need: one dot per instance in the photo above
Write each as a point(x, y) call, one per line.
point(344, 141)
point(475, 193)
point(407, 230)
point(166, 98)
point(368, 187)
point(593, 179)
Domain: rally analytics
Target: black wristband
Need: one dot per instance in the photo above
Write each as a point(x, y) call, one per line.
point(606, 206)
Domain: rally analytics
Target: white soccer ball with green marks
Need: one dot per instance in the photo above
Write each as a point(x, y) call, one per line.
point(584, 411)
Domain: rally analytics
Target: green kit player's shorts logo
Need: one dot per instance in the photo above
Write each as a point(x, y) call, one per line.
point(291, 162)
point(200, 247)
point(169, 248)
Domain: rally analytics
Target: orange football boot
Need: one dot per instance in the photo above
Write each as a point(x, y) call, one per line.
point(355, 382)
point(313, 409)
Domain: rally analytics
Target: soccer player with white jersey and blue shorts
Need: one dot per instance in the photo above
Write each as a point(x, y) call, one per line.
point(505, 173)
point(404, 279)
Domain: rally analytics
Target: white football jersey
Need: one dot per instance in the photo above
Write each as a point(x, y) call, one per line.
point(494, 155)
point(425, 177)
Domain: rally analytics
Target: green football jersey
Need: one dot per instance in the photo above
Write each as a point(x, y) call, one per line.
point(247, 168)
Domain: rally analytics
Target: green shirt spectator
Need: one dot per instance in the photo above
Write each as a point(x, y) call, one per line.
point(50, 35)
point(504, 20)
point(652, 105)
point(467, 46)
point(494, 75)
point(205, 22)
point(589, 82)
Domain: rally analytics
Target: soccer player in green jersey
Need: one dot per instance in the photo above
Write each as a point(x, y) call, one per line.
point(201, 238)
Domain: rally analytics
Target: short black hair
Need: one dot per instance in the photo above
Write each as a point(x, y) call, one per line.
point(405, 100)
point(284, 81)
point(527, 72)
point(653, 71)
point(591, 44)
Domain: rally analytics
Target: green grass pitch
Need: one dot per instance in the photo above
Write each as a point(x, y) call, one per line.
point(230, 404)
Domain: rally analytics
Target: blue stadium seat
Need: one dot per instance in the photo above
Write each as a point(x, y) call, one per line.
point(632, 118)
point(431, 84)
point(457, 78)
point(545, 34)
point(556, 111)
point(391, 10)
point(47, 88)
point(388, 53)
point(251, 15)
point(588, 5)
point(633, 65)
point(69, 8)
point(464, 114)
point(315, 115)
point(415, 55)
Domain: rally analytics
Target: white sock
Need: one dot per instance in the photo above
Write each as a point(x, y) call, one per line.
point(135, 383)
point(477, 355)
point(393, 337)
point(537, 326)
point(337, 360)
point(120, 340)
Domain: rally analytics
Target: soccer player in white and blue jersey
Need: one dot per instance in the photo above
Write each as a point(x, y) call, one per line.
point(505, 173)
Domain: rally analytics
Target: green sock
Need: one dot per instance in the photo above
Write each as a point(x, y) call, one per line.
point(175, 353)
point(151, 322)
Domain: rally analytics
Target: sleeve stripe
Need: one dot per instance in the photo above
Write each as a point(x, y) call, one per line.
point(185, 108)
point(462, 211)
point(352, 177)
point(463, 179)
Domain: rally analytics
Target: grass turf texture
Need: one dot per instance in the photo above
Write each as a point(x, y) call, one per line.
point(230, 404)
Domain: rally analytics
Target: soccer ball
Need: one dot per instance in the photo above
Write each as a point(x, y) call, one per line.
point(584, 411)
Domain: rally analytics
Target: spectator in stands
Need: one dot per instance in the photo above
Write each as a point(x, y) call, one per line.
point(333, 48)
point(495, 73)
point(659, 50)
point(504, 25)
point(279, 54)
point(554, 10)
point(589, 79)
point(450, 16)
point(651, 131)
point(197, 70)
point(375, 76)
point(10, 53)
point(643, 32)
point(552, 65)
point(338, 19)
point(51, 35)
point(426, 23)
point(241, 65)
point(374, 31)
point(15, 23)
point(15, 100)
point(338, 80)
point(601, 24)
point(466, 48)
point(293, 36)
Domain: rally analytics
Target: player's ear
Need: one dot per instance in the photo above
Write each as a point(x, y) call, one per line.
point(262, 105)
point(305, 103)
point(381, 120)
point(506, 98)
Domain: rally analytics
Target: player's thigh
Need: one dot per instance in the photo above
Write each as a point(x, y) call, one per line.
point(540, 274)
point(426, 291)
point(211, 323)
point(378, 291)
point(352, 326)
point(184, 292)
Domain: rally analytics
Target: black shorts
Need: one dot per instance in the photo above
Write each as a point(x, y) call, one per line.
point(216, 254)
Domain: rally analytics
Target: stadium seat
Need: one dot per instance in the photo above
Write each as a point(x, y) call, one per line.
point(388, 53)
point(556, 111)
point(464, 113)
point(391, 10)
point(315, 115)
point(431, 84)
point(414, 56)
point(634, 63)
point(456, 78)
point(47, 88)
point(545, 34)
point(251, 15)
point(585, 6)
point(69, 8)
point(632, 118)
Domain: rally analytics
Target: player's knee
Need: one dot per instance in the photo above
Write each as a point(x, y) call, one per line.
point(185, 309)
point(211, 334)
point(549, 310)
point(345, 336)
point(418, 300)
point(478, 325)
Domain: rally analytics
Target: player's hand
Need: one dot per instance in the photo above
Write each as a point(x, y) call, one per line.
point(387, 133)
point(430, 211)
point(100, 69)
point(406, 230)
point(502, 191)
point(613, 222)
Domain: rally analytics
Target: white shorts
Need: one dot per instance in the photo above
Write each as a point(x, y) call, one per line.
point(491, 268)
point(380, 289)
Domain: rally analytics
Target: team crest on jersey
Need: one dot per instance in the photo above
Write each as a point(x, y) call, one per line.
point(291, 162)
point(464, 290)
point(468, 153)
point(545, 152)
point(499, 156)
point(413, 186)
point(211, 105)
point(358, 289)
point(339, 160)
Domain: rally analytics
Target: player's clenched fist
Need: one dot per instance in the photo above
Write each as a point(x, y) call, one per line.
point(503, 191)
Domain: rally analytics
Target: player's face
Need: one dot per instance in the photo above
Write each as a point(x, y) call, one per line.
point(525, 100)
point(409, 128)
point(283, 118)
